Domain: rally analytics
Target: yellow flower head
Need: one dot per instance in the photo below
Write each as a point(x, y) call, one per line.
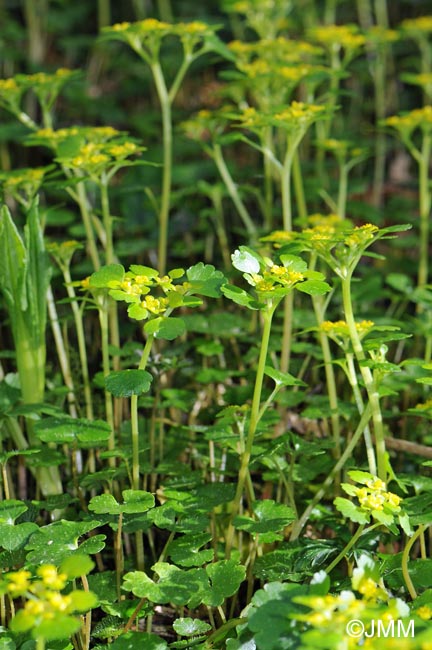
point(51, 578)
point(18, 582)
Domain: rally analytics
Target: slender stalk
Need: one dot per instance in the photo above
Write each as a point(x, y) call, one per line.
point(82, 350)
point(81, 198)
point(233, 191)
point(405, 558)
point(368, 379)
point(61, 353)
point(352, 378)
point(165, 104)
point(347, 547)
point(425, 208)
point(267, 315)
point(103, 320)
point(318, 307)
point(298, 187)
point(347, 453)
point(134, 418)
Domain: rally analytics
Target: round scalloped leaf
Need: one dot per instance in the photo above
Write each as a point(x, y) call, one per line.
point(103, 278)
point(165, 327)
point(124, 383)
point(190, 626)
point(246, 260)
point(313, 287)
point(67, 429)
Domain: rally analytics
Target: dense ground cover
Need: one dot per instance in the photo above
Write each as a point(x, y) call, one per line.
point(216, 332)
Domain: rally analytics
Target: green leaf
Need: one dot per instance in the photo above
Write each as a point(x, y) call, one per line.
point(77, 565)
point(313, 287)
point(351, 511)
point(190, 626)
point(124, 383)
point(106, 275)
point(294, 263)
point(226, 577)
point(205, 280)
point(13, 265)
point(186, 550)
point(82, 601)
point(239, 296)
point(14, 537)
point(165, 327)
point(53, 543)
point(11, 509)
point(67, 429)
point(139, 641)
point(246, 260)
point(283, 378)
point(271, 518)
point(139, 269)
point(135, 502)
point(137, 312)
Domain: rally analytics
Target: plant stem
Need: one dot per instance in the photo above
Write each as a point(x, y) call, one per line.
point(347, 453)
point(348, 546)
point(267, 315)
point(134, 418)
point(82, 350)
point(425, 208)
point(232, 191)
point(103, 320)
point(367, 376)
point(165, 104)
point(405, 558)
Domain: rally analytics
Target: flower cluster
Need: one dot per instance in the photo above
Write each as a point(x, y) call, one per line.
point(339, 332)
point(336, 37)
point(417, 26)
point(419, 118)
point(273, 277)
point(46, 611)
point(45, 86)
point(373, 500)
point(23, 184)
point(145, 36)
point(368, 600)
point(146, 292)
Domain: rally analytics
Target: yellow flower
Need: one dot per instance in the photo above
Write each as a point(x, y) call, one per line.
point(51, 578)
point(424, 612)
point(361, 235)
point(19, 582)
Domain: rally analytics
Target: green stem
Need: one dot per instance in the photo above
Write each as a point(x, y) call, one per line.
point(368, 379)
point(346, 549)
point(134, 418)
point(40, 643)
point(82, 350)
point(232, 191)
point(298, 526)
point(319, 309)
point(343, 190)
point(267, 315)
point(425, 207)
point(165, 104)
point(81, 198)
point(299, 188)
point(61, 352)
point(103, 319)
point(405, 558)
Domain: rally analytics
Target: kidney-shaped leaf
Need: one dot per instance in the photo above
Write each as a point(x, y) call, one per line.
point(124, 383)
